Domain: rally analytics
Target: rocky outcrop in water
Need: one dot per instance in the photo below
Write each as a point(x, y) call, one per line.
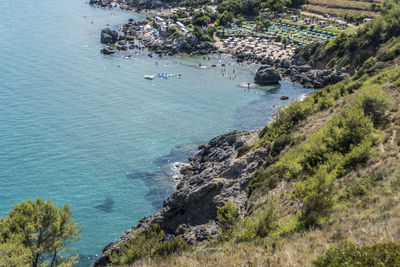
point(298, 70)
point(266, 75)
point(214, 176)
point(108, 36)
point(108, 51)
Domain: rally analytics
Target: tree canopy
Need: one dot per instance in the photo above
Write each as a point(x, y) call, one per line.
point(37, 233)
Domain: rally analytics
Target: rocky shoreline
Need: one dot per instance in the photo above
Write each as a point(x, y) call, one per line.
point(133, 35)
point(295, 69)
point(214, 176)
point(298, 70)
point(134, 5)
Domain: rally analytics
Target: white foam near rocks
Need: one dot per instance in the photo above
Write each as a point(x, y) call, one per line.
point(176, 170)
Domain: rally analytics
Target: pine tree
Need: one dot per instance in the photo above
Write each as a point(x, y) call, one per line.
point(40, 232)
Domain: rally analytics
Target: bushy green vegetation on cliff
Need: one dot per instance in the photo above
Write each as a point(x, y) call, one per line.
point(147, 244)
point(251, 228)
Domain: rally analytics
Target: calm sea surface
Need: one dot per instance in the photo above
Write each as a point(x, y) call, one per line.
point(80, 127)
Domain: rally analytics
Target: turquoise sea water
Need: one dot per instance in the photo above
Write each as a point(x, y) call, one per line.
point(82, 127)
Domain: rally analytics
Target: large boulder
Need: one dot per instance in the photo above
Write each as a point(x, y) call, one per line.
point(267, 75)
point(107, 51)
point(108, 36)
point(304, 68)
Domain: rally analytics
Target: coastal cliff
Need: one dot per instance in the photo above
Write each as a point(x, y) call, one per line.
point(214, 176)
point(316, 184)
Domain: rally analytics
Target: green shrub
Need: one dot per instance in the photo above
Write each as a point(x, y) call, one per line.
point(245, 231)
point(280, 143)
point(358, 156)
point(387, 255)
point(261, 224)
point(224, 19)
point(266, 220)
point(228, 216)
point(201, 19)
point(318, 196)
point(375, 103)
point(262, 177)
point(285, 119)
point(152, 242)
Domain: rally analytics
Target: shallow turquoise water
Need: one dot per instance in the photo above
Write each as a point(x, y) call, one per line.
point(82, 127)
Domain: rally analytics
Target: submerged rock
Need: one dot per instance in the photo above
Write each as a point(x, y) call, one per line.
point(266, 75)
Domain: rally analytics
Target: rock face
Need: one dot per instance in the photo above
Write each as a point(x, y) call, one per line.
point(298, 70)
point(107, 51)
point(108, 36)
point(214, 176)
point(267, 75)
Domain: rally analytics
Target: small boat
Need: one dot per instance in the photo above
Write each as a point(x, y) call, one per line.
point(149, 77)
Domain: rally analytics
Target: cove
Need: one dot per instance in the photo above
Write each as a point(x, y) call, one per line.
point(80, 127)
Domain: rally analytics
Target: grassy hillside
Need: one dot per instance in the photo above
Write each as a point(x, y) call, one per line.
point(377, 41)
point(328, 193)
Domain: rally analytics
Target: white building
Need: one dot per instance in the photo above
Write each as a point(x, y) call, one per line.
point(322, 23)
point(180, 24)
point(159, 20)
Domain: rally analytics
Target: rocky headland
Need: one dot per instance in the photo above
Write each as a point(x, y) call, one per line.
point(215, 175)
